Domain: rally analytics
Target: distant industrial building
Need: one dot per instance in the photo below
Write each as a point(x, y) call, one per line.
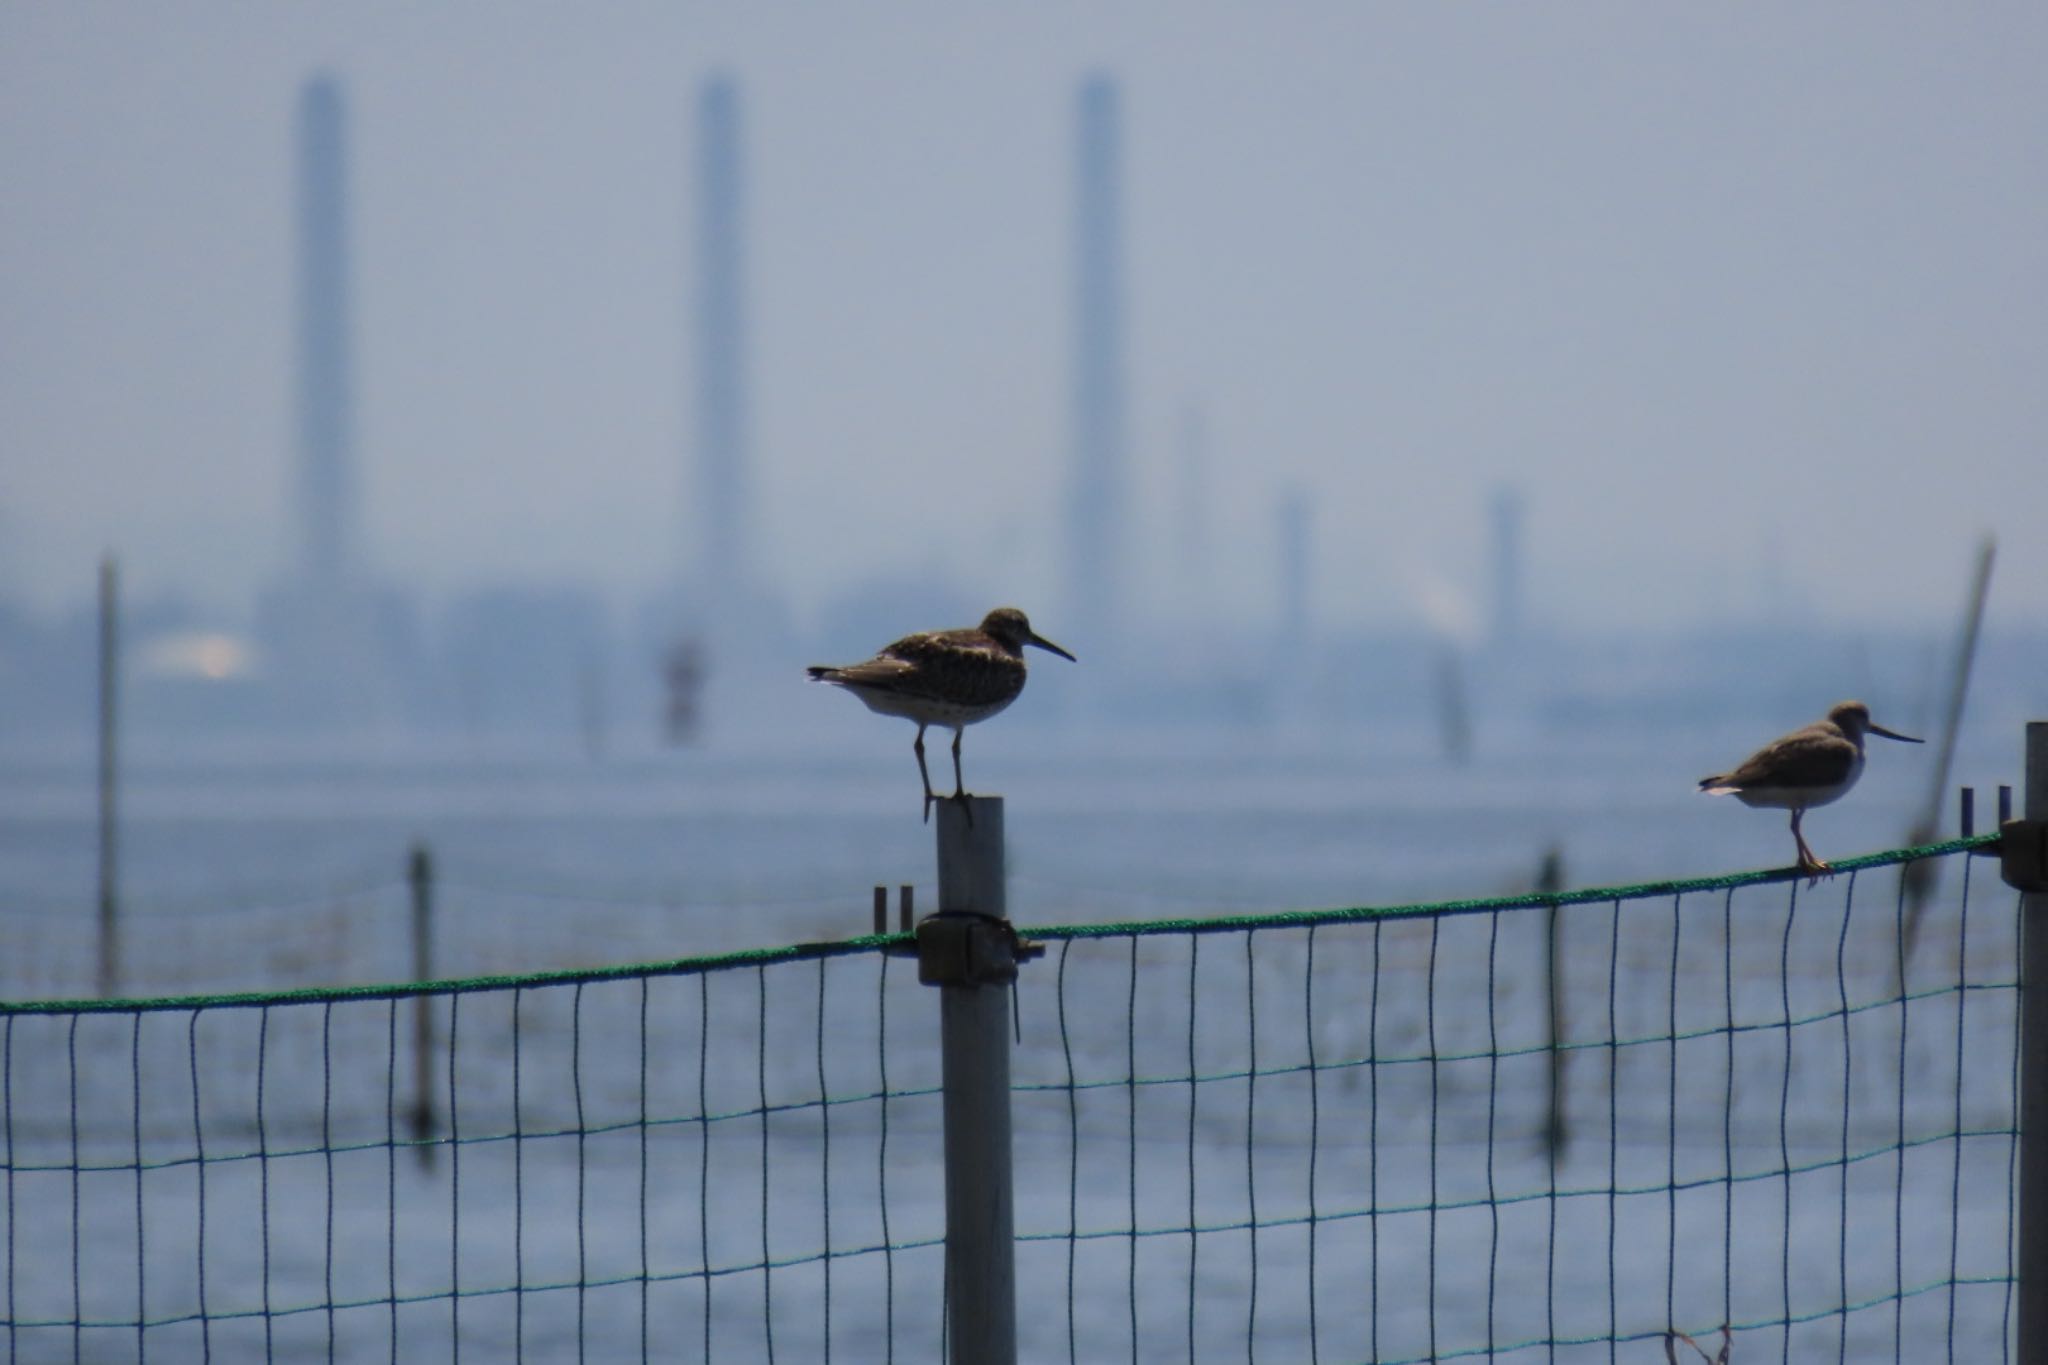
point(1096, 591)
point(334, 645)
point(324, 411)
point(723, 571)
point(716, 625)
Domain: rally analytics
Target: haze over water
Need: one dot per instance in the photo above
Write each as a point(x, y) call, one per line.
point(1740, 309)
point(1746, 303)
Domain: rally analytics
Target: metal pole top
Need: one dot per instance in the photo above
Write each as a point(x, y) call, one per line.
point(2023, 844)
point(969, 942)
point(970, 950)
point(970, 845)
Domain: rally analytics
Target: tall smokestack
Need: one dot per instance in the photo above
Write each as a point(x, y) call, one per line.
point(724, 570)
point(326, 429)
point(1096, 523)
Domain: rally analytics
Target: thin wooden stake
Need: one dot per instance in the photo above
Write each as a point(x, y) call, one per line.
point(1557, 1130)
point(420, 871)
point(110, 684)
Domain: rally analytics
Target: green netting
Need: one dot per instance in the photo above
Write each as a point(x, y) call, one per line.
point(1345, 1135)
point(885, 942)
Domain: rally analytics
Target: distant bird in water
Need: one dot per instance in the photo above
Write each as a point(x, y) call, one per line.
point(945, 677)
point(1809, 767)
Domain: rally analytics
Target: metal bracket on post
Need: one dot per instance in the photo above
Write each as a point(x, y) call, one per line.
point(2023, 855)
point(968, 948)
point(970, 952)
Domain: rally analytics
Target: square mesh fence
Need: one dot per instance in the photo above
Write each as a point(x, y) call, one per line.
point(1525, 1131)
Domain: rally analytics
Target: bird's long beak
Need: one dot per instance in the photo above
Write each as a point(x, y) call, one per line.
point(1894, 734)
point(1043, 643)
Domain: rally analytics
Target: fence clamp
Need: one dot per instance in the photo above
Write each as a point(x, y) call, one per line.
point(968, 948)
point(2023, 854)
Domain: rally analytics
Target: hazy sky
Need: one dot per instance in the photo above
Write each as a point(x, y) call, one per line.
point(1700, 278)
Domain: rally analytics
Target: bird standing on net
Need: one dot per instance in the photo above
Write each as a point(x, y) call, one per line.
point(945, 677)
point(1809, 767)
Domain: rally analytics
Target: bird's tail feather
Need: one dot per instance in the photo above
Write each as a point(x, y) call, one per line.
point(822, 672)
point(1717, 785)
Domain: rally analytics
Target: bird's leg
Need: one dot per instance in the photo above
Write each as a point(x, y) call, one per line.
point(959, 787)
point(929, 797)
point(1813, 867)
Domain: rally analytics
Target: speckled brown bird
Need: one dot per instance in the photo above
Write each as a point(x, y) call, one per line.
point(1809, 767)
point(945, 677)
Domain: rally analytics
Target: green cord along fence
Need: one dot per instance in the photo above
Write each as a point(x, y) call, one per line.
point(1352, 1135)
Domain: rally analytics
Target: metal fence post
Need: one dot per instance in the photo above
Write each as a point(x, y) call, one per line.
point(2033, 1212)
point(970, 952)
point(420, 872)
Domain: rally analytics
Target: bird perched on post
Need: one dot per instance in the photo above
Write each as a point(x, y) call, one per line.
point(944, 677)
point(1809, 767)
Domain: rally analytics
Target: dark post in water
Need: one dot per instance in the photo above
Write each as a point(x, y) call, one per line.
point(110, 681)
point(421, 875)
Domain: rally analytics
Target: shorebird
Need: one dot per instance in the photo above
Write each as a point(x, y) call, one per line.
point(1807, 768)
point(944, 677)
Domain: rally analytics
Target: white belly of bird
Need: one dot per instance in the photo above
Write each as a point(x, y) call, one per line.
point(925, 710)
point(1800, 798)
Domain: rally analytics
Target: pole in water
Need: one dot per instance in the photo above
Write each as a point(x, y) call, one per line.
point(1919, 876)
point(1454, 710)
point(420, 872)
point(1557, 1126)
point(110, 683)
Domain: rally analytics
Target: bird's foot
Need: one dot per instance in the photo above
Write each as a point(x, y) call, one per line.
point(929, 797)
point(1813, 869)
point(966, 804)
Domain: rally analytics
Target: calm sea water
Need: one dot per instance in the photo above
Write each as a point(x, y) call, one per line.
point(558, 860)
point(1814, 1155)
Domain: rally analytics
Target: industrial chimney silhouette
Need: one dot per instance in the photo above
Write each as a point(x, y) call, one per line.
point(1094, 604)
point(326, 487)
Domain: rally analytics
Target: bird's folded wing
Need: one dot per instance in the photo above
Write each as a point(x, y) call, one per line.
point(957, 666)
point(880, 671)
point(1800, 759)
